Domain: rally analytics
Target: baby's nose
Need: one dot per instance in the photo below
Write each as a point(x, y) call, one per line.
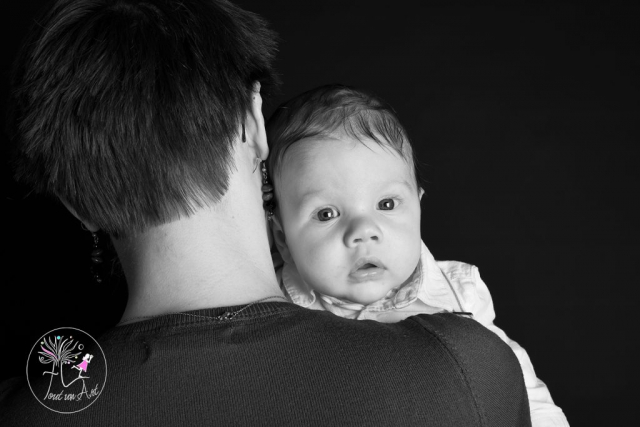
point(362, 230)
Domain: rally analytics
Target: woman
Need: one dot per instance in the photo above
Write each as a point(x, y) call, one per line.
point(144, 118)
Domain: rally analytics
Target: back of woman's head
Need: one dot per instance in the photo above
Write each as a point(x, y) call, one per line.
point(128, 109)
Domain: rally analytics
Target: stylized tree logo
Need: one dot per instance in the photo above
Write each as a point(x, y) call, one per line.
point(59, 351)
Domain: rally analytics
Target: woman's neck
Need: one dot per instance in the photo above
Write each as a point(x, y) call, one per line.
point(210, 259)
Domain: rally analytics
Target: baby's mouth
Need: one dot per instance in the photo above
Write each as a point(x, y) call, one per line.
point(367, 268)
point(367, 265)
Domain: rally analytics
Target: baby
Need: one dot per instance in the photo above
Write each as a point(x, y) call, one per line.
point(346, 223)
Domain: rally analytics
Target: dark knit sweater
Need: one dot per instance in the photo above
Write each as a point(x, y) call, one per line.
point(279, 364)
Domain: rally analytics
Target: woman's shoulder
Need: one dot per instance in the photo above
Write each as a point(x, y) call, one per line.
point(488, 365)
point(9, 385)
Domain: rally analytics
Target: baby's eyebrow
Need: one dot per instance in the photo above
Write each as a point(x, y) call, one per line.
point(314, 192)
point(402, 182)
point(305, 197)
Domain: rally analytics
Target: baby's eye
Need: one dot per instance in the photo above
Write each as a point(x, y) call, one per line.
point(386, 204)
point(327, 214)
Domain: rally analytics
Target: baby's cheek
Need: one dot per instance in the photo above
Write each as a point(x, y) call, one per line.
point(406, 252)
point(319, 259)
point(307, 255)
point(320, 265)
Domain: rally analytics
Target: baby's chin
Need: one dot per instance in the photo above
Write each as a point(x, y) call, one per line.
point(368, 293)
point(371, 291)
point(365, 292)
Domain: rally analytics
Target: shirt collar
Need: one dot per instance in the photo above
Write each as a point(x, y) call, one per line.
point(426, 282)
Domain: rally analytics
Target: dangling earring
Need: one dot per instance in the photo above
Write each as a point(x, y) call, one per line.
point(267, 192)
point(244, 135)
point(96, 258)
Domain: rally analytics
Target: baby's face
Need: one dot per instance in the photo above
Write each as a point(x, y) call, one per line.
point(350, 212)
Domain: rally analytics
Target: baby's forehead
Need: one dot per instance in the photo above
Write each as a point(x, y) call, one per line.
point(339, 142)
point(345, 156)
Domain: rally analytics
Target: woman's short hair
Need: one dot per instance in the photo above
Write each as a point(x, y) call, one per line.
point(128, 109)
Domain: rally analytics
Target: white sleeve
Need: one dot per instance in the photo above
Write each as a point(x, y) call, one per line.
point(544, 413)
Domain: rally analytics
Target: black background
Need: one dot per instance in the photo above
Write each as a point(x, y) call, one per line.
point(525, 117)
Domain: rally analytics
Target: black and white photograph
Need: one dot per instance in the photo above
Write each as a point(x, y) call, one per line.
point(242, 212)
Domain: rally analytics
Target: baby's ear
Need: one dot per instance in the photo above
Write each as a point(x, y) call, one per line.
point(421, 193)
point(280, 240)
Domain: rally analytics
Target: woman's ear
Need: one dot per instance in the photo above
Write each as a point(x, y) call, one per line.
point(88, 224)
point(256, 134)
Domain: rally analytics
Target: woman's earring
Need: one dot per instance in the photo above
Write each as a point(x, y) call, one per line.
point(96, 258)
point(267, 192)
point(244, 135)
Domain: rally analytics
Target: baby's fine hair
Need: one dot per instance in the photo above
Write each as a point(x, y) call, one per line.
point(335, 110)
